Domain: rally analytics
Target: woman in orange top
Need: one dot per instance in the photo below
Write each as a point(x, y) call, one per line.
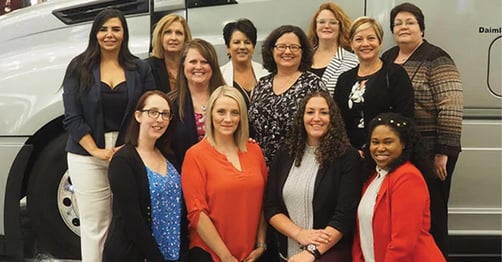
point(223, 180)
point(393, 215)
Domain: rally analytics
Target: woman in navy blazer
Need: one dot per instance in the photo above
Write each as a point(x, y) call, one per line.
point(100, 89)
point(314, 185)
point(198, 76)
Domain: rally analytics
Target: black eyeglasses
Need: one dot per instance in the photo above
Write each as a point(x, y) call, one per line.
point(166, 115)
point(282, 47)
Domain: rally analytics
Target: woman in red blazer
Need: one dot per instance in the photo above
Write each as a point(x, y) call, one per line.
point(393, 218)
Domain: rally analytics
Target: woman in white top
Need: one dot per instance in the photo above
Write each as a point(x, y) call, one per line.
point(329, 35)
point(241, 71)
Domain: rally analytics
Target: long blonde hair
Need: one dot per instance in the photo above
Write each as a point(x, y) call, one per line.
point(160, 28)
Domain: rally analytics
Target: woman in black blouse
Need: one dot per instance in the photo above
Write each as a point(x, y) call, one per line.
point(374, 86)
point(100, 89)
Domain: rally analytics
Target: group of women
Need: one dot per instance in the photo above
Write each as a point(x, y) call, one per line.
point(334, 169)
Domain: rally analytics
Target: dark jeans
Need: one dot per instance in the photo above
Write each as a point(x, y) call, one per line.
point(439, 193)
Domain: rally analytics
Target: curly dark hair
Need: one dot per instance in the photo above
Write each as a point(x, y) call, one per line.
point(267, 49)
point(332, 145)
point(414, 150)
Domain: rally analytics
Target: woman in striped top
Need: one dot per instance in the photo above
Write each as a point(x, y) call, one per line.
point(329, 36)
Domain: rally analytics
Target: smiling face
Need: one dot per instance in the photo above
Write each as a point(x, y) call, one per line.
point(240, 48)
point(366, 44)
point(225, 116)
point(287, 59)
point(327, 26)
point(149, 127)
point(316, 119)
point(385, 145)
point(110, 35)
point(406, 29)
point(197, 69)
point(174, 37)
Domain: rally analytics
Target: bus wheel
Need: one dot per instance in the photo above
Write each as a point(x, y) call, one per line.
point(51, 202)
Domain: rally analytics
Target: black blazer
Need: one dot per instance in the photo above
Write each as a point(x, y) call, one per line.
point(185, 131)
point(130, 235)
point(390, 90)
point(159, 72)
point(337, 191)
point(83, 113)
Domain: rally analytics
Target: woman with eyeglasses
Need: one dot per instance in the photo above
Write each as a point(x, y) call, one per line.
point(100, 89)
point(439, 105)
point(287, 54)
point(148, 221)
point(373, 87)
point(329, 36)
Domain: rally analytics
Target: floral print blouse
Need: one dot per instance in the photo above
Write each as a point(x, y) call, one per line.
point(270, 114)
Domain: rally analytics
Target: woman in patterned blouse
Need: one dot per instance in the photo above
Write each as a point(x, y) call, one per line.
point(148, 221)
point(287, 54)
point(439, 105)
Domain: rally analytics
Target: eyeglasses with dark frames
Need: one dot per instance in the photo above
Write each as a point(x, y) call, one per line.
point(293, 48)
point(166, 115)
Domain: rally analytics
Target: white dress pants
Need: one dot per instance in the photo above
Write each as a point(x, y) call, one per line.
point(89, 177)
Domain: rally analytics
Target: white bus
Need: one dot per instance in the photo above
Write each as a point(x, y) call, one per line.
point(37, 43)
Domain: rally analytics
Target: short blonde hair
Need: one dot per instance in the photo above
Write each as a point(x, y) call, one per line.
point(241, 135)
point(161, 26)
point(363, 23)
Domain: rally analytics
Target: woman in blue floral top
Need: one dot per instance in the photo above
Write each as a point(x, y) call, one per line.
point(148, 221)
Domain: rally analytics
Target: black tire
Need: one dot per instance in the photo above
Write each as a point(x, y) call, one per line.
point(52, 234)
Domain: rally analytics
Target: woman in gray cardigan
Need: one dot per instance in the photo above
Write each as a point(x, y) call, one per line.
point(314, 185)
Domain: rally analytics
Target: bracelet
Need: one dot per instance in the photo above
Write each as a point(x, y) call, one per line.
point(262, 245)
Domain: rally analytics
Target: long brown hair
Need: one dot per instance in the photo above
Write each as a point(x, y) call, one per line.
point(344, 25)
point(209, 53)
point(132, 134)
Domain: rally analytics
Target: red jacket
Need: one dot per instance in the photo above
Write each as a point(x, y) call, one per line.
point(401, 220)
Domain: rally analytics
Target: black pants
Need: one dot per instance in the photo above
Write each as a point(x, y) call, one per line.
point(439, 193)
point(198, 254)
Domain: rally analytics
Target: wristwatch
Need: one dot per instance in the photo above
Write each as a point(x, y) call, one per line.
point(312, 249)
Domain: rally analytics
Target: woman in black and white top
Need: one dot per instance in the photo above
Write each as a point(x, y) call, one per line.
point(374, 86)
point(287, 54)
point(329, 35)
